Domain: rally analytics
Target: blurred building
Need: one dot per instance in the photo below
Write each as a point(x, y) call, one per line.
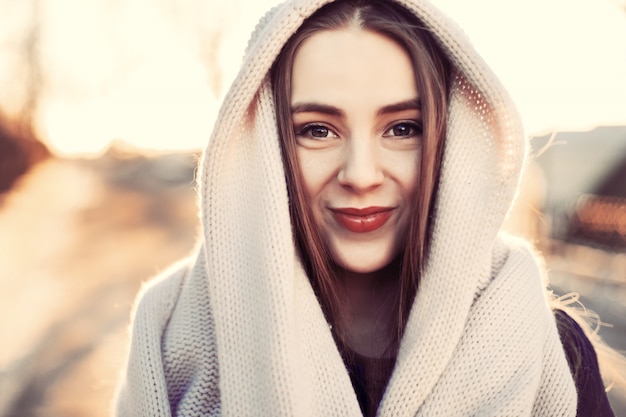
point(585, 202)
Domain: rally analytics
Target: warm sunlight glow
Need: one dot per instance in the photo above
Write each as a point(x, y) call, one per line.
point(159, 106)
point(563, 61)
point(151, 73)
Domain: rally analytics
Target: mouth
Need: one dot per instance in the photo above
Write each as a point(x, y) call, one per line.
point(362, 220)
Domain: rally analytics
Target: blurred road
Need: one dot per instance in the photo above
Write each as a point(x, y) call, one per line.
point(78, 238)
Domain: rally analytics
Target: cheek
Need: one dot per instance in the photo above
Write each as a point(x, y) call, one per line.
point(405, 169)
point(411, 180)
point(307, 173)
point(317, 170)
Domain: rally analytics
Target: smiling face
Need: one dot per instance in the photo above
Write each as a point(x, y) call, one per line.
point(357, 121)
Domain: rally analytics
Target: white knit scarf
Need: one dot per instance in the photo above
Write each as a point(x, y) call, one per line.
point(237, 330)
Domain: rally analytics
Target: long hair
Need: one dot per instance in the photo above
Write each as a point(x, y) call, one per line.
point(432, 75)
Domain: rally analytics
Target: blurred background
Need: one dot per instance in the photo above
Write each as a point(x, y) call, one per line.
point(104, 109)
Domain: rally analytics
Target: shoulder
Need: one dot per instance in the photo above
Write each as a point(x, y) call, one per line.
point(583, 363)
point(188, 346)
point(512, 248)
point(514, 262)
point(157, 297)
point(172, 361)
point(176, 299)
point(143, 389)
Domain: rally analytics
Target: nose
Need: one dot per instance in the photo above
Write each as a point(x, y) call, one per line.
point(361, 169)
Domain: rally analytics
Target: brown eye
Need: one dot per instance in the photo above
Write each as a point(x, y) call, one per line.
point(404, 130)
point(315, 131)
point(318, 131)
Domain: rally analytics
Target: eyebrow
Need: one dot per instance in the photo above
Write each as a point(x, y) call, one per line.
point(411, 104)
point(316, 108)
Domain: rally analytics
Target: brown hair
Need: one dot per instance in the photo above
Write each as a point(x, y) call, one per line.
point(432, 78)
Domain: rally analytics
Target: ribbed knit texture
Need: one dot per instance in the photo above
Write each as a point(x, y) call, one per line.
point(238, 331)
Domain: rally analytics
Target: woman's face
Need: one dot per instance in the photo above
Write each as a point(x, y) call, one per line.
point(356, 115)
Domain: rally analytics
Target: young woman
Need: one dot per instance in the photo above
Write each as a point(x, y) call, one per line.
point(351, 262)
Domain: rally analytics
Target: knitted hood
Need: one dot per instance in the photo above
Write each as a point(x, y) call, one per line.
point(244, 203)
point(273, 343)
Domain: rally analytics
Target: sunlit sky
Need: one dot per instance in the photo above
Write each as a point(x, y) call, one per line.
point(150, 72)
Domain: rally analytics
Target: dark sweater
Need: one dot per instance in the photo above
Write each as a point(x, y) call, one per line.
point(370, 375)
point(583, 362)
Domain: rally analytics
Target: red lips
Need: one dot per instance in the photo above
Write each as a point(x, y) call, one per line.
point(362, 220)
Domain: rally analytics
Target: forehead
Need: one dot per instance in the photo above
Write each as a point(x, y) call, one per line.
point(332, 64)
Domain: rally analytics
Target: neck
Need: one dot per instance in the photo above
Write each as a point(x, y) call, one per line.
point(368, 320)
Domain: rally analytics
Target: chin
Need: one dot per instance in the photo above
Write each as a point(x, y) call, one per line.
point(364, 264)
point(363, 269)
